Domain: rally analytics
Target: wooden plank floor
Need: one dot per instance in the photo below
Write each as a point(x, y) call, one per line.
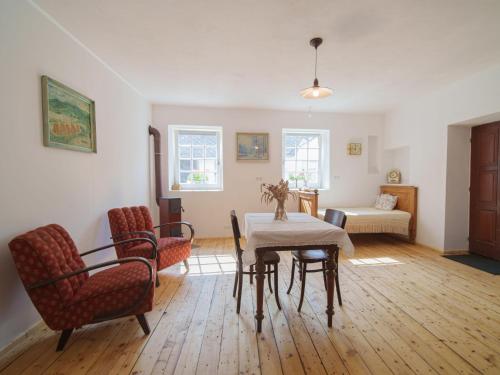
point(406, 311)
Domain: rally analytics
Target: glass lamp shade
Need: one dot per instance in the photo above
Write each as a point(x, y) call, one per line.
point(316, 92)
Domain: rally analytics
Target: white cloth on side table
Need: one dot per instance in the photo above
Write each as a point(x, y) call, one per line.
point(261, 230)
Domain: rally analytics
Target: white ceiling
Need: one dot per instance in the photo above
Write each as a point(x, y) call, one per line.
point(243, 53)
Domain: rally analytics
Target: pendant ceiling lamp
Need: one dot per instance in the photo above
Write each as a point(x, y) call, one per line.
point(316, 91)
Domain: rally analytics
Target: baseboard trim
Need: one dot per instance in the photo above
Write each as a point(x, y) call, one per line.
point(10, 351)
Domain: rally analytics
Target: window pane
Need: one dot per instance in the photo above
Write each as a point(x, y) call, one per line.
point(197, 152)
point(210, 178)
point(301, 166)
point(210, 140)
point(302, 140)
point(185, 165)
point(184, 152)
point(210, 165)
point(313, 154)
point(290, 166)
point(290, 153)
point(197, 139)
point(198, 165)
point(197, 178)
point(184, 139)
point(312, 178)
point(302, 153)
point(289, 141)
point(314, 142)
point(184, 177)
point(211, 152)
point(312, 166)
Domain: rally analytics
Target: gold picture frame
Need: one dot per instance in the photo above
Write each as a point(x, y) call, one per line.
point(252, 146)
point(354, 149)
point(68, 118)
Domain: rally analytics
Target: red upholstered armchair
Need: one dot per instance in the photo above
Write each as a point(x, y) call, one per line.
point(136, 222)
point(66, 296)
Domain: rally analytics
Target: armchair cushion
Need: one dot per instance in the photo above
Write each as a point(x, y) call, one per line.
point(175, 249)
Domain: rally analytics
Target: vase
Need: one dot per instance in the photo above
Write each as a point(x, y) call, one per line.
point(280, 213)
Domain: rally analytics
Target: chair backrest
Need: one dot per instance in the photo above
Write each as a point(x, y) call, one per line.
point(42, 254)
point(335, 217)
point(236, 232)
point(129, 219)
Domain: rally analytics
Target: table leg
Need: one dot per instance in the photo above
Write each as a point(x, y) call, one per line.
point(260, 268)
point(330, 282)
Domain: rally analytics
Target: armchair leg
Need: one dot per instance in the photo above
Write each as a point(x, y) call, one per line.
point(64, 339)
point(186, 264)
point(157, 283)
point(144, 323)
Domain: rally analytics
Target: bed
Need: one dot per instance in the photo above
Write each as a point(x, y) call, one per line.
point(400, 221)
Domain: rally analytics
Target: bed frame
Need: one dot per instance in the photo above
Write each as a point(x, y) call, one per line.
point(308, 201)
point(407, 201)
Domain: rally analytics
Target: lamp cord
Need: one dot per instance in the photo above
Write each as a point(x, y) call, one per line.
point(316, 63)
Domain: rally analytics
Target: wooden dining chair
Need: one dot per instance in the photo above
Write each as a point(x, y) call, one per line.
point(271, 260)
point(305, 257)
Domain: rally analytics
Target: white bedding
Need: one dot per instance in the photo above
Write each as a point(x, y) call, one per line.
point(372, 220)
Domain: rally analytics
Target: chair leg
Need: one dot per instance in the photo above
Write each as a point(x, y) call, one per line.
point(323, 264)
point(251, 274)
point(269, 278)
point(157, 283)
point(276, 286)
point(240, 282)
point(339, 297)
point(302, 286)
point(186, 264)
point(292, 277)
point(64, 339)
point(144, 323)
point(235, 283)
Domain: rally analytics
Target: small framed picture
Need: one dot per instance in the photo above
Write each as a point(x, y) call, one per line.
point(354, 149)
point(252, 146)
point(68, 118)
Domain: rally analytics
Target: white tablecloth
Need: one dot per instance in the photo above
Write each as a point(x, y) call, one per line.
point(261, 230)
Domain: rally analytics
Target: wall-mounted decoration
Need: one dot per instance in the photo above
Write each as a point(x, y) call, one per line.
point(354, 149)
point(252, 146)
point(394, 176)
point(68, 118)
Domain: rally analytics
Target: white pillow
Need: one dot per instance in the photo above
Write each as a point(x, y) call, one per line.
point(386, 202)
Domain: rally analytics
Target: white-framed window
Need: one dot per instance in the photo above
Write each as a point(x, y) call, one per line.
point(306, 158)
point(195, 157)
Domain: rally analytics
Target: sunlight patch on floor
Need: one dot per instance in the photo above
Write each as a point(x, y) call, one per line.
point(384, 261)
point(210, 265)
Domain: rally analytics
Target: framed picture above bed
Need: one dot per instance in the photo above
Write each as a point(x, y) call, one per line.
point(252, 146)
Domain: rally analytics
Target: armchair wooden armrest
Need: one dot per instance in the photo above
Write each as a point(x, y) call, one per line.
point(153, 243)
point(94, 267)
point(145, 233)
point(189, 225)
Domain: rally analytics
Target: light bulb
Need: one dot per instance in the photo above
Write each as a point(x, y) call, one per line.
point(315, 92)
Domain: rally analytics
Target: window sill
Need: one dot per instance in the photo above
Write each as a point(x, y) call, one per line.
point(194, 190)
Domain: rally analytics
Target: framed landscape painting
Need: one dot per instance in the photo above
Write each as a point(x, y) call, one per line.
point(252, 146)
point(68, 118)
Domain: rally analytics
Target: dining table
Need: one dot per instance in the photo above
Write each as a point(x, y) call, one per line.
point(299, 231)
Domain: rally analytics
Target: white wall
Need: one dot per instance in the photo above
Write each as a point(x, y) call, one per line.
point(41, 185)
point(422, 125)
point(351, 184)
